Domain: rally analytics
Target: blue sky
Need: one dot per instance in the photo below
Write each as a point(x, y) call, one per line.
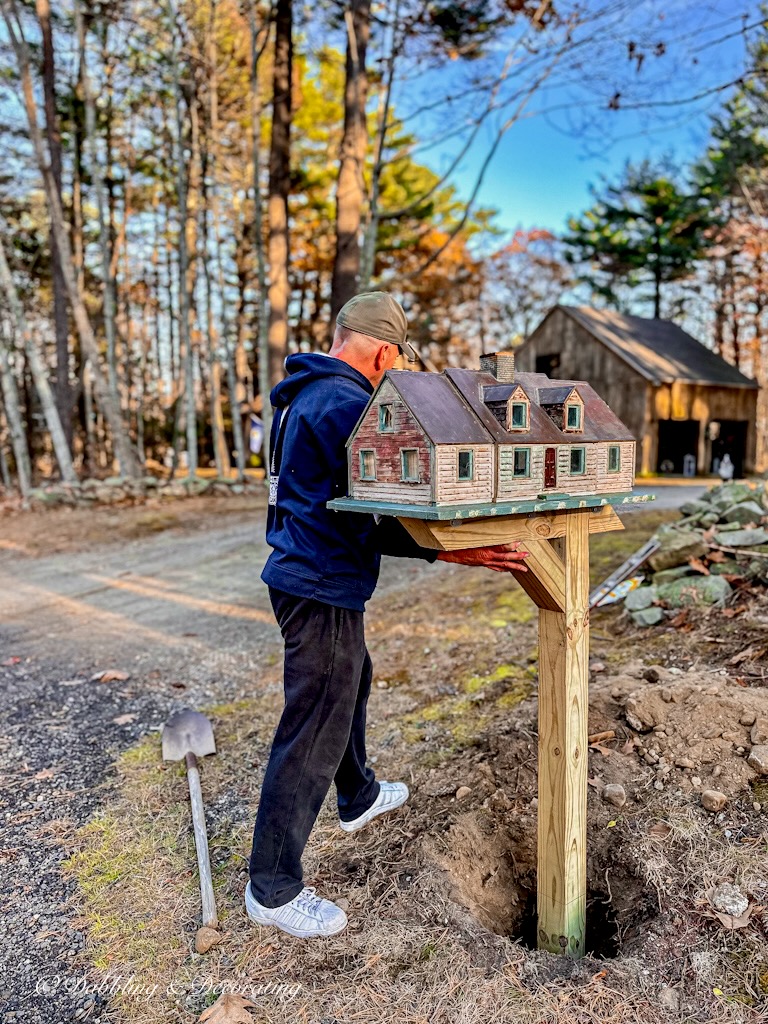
point(544, 165)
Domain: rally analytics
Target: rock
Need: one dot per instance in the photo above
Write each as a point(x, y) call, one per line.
point(669, 998)
point(614, 794)
point(695, 781)
point(645, 710)
point(748, 718)
point(745, 513)
point(741, 538)
point(695, 508)
point(205, 938)
point(658, 784)
point(710, 519)
point(695, 590)
point(759, 733)
point(677, 547)
point(668, 575)
point(648, 617)
point(713, 800)
point(684, 762)
point(637, 600)
point(729, 900)
point(758, 759)
point(717, 770)
point(730, 567)
point(597, 666)
point(757, 806)
point(463, 792)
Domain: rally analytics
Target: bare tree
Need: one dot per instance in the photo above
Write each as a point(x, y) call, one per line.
point(39, 371)
point(279, 188)
point(350, 192)
point(13, 415)
point(107, 399)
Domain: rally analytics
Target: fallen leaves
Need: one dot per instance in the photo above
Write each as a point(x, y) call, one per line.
point(111, 675)
point(698, 566)
point(124, 719)
point(206, 938)
point(229, 1008)
point(659, 830)
point(729, 921)
point(751, 653)
point(11, 661)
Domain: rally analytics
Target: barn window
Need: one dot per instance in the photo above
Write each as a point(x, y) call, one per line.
point(614, 458)
point(386, 418)
point(578, 461)
point(573, 417)
point(409, 461)
point(521, 462)
point(518, 417)
point(466, 465)
point(367, 464)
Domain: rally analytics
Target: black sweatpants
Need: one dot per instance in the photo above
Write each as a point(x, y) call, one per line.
point(320, 739)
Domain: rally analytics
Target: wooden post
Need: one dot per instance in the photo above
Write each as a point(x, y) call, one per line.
point(563, 708)
point(558, 581)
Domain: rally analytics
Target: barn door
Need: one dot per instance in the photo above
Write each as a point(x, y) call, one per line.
point(550, 467)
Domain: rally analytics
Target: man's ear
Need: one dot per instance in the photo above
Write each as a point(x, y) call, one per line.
point(379, 360)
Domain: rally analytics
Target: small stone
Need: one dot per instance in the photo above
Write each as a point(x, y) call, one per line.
point(615, 693)
point(741, 538)
point(748, 718)
point(637, 600)
point(650, 758)
point(658, 784)
point(684, 762)
point(342, 902)
point(205, 938)
point(717, 770)
point(648, 617)
point(614, 794)
point(669, 998)
point(597, 666)
point(462, 792)
point(758, 759)
point(759, 733)
point(667, 695)
point(729, 900)
point(695, 780)
point(382, 684)
point(741, 751)
point(713, 800)
point(757, 806)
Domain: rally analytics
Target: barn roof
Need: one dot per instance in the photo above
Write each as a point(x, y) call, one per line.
point(438, 407)
point(658, 350)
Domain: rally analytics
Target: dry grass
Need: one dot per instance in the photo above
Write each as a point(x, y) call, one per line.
point(412, 953)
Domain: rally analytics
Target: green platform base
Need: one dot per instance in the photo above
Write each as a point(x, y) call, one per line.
point(482, 511)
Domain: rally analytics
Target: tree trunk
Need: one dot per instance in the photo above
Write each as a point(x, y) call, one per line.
point(263, 350)
point(15, 419)
point(105, 396)
point(184, 294)
point(105, 240)
point(350, 191)
point(279, 188)
point(39, 372)
point(53, 135)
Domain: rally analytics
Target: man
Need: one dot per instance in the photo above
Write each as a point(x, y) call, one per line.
point(323, 568)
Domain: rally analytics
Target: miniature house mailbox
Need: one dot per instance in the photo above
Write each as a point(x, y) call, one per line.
point(467, 458)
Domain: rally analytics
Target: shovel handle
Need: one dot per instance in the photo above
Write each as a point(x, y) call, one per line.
point(210, 918)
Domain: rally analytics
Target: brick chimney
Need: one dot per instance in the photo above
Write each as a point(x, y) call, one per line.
point(500, 364)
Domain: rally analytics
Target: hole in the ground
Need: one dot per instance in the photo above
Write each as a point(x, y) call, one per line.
point(492, 869)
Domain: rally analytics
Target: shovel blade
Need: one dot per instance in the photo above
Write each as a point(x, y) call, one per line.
point(187, 731)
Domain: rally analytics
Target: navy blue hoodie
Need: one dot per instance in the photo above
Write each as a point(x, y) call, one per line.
point(331, 557)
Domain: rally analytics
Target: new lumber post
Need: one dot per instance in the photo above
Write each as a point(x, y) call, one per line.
point(558, 582)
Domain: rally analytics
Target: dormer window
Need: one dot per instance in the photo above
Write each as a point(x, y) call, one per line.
point(573, 417)
point(518, 416)
point(386, 418)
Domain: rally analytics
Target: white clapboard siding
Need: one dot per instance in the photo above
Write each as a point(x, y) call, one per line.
point(520, 486)
point(449, 489)
point(624, 479)
point(401, 493)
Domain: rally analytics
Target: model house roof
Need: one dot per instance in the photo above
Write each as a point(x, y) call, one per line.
point(438, 407)
point(427, 396)
point(658, 350)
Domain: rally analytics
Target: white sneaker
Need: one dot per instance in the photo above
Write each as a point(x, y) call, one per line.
point(306, 916)
point(391, 795)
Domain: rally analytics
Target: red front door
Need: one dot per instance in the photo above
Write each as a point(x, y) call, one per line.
point(550, 467)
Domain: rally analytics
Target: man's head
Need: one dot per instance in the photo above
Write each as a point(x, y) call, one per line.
point(371, 332)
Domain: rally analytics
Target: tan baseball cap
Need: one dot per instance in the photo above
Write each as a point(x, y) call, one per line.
point(379, 316)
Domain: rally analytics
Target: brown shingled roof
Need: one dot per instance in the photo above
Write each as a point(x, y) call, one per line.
point(439, 408)
point(658, 350)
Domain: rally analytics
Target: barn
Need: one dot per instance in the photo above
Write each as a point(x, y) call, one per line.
point(685, 404)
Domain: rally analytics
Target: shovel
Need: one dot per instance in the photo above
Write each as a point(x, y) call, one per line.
point(188, 735)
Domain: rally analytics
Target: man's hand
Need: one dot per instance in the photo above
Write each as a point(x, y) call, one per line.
point(501, 558)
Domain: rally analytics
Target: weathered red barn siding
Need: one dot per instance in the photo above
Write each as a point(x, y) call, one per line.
point(388, 485)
